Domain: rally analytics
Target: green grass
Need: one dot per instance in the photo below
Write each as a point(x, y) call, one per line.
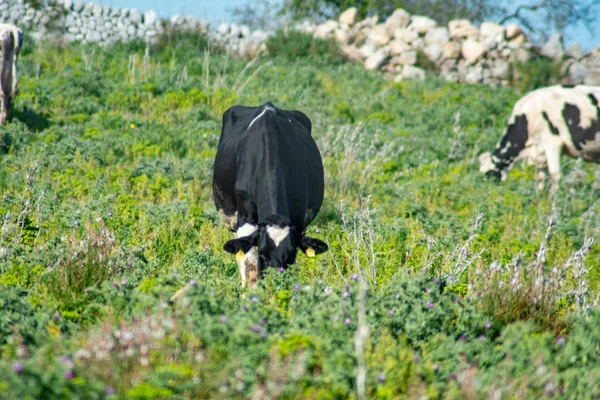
point(106, 211)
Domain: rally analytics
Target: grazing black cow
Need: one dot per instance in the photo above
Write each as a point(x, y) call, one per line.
point(544, 123)
point(267, 186)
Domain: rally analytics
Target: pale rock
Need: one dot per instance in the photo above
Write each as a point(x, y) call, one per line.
point(352, 53)
point(407, 36)
point(368, 49)
point(451, 50)
point(97, 10)
point(245, 31)
point(418, 44)
point(341, 36)
point(447, 66)
point(553, 47)
point(433, 52)
point(377, 59)
point(523, 55)
point(592, 76)
point(406, 58)
point(412, 72)
point(576, 74)
point(438, 36)
point(513, 30)
point(500, 69)
point(517, 41)
point(135, 16)
point(574, 51)
point(474, 74)
point(398, 19)
point(326, 29)
point(223, 29)
point(398, 46)
point(368, 22)
point(462, 28)
point(379, 35)
point(234, 31)
point(472, 50)
point(150, 17)
point(491, 30)
point(348, 17)
point(421, 24)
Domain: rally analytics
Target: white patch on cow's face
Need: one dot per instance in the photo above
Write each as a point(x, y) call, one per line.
point(277, 234)
point(485, 161)
point(245, 230)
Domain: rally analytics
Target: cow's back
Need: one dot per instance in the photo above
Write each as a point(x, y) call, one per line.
point(270, 155)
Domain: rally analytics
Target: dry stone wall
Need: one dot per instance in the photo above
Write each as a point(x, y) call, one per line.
point(459, 52)
point(399, 46)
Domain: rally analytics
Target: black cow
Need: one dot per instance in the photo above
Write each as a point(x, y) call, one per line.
point(267, 186)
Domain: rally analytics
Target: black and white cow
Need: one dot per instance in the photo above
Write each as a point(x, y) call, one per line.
point(543, 124)
point(267, 186)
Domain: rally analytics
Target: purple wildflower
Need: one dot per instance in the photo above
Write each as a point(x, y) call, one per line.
point(380, 378)
point(67, 362)
point(436, 281)
point(355, 277)
point(426, 271)
point(453, 377)
point(560, 341)
point(347, 321)
point(57, 316)
point(297, 287)
point(192, 282)
point(124, 282)
point(255, 329)
point(245, 308)
point(345, 294)
point(68, 374)
point(109, 391)
point(115, 284)
point(254, 299)
point(390, 313)
point(281, 269)
point(488, 324)
point(17, 367)
point(462, 338)
point(457, 300)
point(223, 319)
point(408, 271)
point(430, 305)
point(482, 338)
point(416, 358)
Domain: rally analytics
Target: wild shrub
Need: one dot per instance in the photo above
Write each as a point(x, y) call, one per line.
point(292, 45)
point(535, 73)
point(85, 262)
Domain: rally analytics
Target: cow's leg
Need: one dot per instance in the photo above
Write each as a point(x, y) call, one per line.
point(553, 150)
point(247, 222)
point(3, 107)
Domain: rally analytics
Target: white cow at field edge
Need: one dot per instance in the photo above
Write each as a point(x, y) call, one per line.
point(542, 125)
point(11, 39)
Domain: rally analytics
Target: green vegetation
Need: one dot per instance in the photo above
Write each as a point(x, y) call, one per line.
point(106, 212)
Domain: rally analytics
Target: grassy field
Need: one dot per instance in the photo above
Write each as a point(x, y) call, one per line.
point(438, 283)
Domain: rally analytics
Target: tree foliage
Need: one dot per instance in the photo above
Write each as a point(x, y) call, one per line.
point(441, 10)
point(544, 17)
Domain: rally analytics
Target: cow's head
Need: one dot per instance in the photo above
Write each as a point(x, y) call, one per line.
point(277, 241)
point(490, 168)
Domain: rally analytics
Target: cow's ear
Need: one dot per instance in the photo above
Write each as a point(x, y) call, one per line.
point(243, 244)
point(312, 247)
